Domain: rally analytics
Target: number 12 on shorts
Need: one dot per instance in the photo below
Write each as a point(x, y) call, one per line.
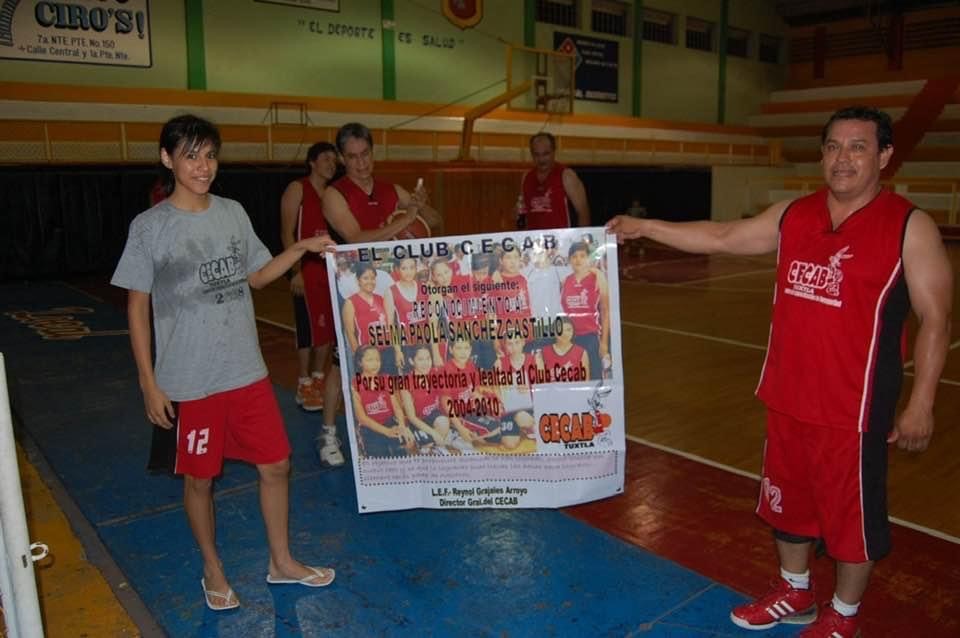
point(197, 441)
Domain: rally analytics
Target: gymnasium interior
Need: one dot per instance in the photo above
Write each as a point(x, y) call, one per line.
point(680, 110)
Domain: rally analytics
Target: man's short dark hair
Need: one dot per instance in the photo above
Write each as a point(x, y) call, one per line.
point(543, 135)
point(864, 114)
point(356, 130)
point(320, 147)
point(314, 152)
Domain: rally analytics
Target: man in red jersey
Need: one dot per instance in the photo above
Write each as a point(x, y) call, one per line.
point(852, 259)
point(301, 216)
point(547, 187)
point(358, 206)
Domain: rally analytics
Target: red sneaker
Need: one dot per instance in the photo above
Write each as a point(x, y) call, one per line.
point(832, 624)
point(309, 396)
point(783, 604)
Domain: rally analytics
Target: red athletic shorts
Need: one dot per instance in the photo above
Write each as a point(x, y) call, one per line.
point(316, 296)
point(828, 483)
point(240, 424)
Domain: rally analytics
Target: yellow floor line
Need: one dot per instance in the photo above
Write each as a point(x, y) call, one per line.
point(75, 599)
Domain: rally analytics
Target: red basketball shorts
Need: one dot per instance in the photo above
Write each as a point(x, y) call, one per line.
point(827, 483)
point(240, 424)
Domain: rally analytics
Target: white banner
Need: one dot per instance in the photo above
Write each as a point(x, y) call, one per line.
point(482, 371)
point(106, 32)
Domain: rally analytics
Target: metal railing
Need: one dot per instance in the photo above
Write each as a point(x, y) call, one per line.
point(124, 142)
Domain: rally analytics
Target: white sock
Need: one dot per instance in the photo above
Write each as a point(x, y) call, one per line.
point(843, 608)
point(317, 375)
point(797, 581)
point(330, 429)
point(304, 380)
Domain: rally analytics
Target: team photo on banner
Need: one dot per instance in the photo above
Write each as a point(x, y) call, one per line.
point(482, 371)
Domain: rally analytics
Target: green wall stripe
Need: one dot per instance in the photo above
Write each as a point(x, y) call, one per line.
point(530, 23)
point(196, 58)
point(722, 62)
point(637, 74)
point(389, 49)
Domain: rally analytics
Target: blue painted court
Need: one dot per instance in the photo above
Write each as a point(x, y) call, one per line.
point(413, 573)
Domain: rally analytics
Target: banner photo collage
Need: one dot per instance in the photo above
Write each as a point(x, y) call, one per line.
point(482, 371)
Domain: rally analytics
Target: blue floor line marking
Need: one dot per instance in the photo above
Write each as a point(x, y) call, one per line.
point(414, 573)
point(679, 605)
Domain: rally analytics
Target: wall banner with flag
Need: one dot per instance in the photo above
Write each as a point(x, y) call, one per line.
point(597, 65)
point(482, 371)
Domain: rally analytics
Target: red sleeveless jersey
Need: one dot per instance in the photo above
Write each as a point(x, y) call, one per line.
point(366, 314)
point(376, 403)
point(474, 301)
point(313, 267)
point(546, 201)
point(571, 360)
point(455, 306)
point(513, 302)
point(310, 223)
point(834, 356)
point(506, 365)
point(409, 311)
point(581, 302)
point(460, 391)
point(425, 401)
point(370, 209)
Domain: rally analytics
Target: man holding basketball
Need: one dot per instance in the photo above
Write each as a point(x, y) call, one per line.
point(361, 208)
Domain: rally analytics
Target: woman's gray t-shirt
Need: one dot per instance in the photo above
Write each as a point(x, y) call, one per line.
point(195, 267)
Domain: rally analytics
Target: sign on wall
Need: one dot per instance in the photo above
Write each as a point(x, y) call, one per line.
point(597, 62)
point(102, 32)
point(321, 5)
point(482, 371)
point(463, 13)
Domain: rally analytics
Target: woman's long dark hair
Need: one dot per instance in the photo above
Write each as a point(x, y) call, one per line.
point(184, 133)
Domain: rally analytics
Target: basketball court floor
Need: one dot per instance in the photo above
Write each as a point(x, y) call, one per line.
point(667, 558)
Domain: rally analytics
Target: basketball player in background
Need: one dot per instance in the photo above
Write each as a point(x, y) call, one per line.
point(548, 189)
point(302, 216)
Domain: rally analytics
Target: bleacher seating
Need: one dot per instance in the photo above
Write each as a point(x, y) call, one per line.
point(927, 128)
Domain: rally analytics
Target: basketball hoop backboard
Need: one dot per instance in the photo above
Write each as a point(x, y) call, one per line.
point(551, 78)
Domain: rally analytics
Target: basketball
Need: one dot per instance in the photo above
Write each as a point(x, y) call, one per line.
point(419, 229)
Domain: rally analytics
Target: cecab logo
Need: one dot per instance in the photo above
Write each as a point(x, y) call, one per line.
point(578, 429)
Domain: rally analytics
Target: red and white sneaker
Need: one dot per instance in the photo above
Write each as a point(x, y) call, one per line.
point(783, 604)
point(832, 624)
